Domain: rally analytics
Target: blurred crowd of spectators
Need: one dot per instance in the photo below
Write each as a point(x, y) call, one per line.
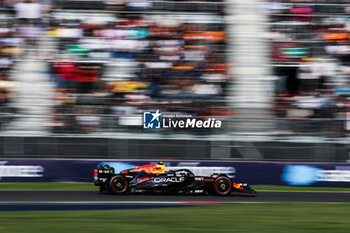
point(113, 60)
point(18, 29)
point(121, 58)
point(134, 61)
point(310, 54)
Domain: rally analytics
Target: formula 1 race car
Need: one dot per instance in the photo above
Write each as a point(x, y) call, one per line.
point(154, 178)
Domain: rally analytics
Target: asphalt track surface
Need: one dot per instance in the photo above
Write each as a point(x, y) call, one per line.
point(93, 196)
point(56, 200)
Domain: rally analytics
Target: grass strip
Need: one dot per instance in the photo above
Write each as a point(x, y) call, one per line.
point(238, 218)
point(46, 185)
point(298, 188)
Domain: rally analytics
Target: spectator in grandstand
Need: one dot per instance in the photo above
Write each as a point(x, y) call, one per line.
point(87, 77)
point(301, 12)
point(65, 70)
point(87, 120)
point(5, 62)
point(28, 12)
point(7, 3)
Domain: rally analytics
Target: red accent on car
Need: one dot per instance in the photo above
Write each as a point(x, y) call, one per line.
point(95, 172)
point(237, 186)
point(209, 179)
point(124, 172)
point(142, 179)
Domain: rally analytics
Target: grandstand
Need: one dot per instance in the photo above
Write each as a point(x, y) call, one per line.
point(275, 72)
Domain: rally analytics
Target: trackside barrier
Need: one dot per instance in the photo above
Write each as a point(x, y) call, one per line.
point(255, 173)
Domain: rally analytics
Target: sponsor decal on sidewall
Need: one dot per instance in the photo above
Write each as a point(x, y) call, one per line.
point(169, 179)
point(20, 170)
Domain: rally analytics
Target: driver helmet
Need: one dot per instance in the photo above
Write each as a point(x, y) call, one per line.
point(160, 167)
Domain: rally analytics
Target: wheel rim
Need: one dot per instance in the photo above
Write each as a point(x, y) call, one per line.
point(119, 185)
point(223, 186)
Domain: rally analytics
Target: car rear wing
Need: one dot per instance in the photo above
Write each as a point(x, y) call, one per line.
point(102, 173)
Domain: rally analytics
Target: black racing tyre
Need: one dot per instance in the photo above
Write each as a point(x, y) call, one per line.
point(222, 186)
point(118, 185)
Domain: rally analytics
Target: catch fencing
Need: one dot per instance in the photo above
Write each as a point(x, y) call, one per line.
point(132, 146)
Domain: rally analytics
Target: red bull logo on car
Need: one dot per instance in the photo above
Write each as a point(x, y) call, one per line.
point(150, 169)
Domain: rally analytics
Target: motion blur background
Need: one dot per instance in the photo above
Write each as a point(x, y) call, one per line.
point(77, 75)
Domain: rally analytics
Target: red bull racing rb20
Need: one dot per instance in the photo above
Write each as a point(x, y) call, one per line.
point(153, 178)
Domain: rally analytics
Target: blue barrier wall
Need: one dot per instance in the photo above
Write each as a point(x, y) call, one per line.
point(255, 173)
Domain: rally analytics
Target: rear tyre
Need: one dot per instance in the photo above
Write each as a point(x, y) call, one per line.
point(222, 186)
point(118, 185)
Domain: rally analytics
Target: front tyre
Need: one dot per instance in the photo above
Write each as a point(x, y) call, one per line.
point(222, 186)
point(118, 185)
